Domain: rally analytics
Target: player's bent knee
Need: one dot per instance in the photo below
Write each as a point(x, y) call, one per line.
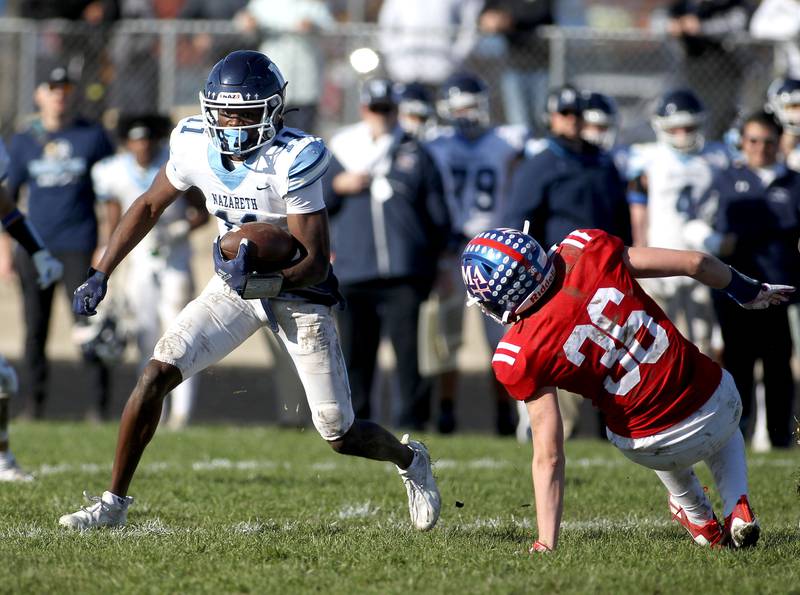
point(158, 378)
point(332, 422)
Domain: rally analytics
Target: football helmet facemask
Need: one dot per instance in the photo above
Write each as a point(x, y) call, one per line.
point(600, 120)
point(505, 272)
point(676, 110)
point(783, 100)
point(244, 80)
point(464, 103)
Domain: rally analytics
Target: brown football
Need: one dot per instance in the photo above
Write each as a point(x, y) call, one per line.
point(271, 248)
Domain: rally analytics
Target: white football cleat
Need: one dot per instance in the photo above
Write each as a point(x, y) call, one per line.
point(424, 500)
point(10, 470)
point(105, 511)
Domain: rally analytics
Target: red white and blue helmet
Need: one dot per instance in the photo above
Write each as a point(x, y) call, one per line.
point(505, 272)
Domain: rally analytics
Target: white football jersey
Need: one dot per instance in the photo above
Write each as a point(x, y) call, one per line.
point(476, 173)
point(277, 179)
point(675, 183)
point(121, 178)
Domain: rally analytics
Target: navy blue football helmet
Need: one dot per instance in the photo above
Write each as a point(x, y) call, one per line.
point(415, 108)
point(505, 272)
point(599, 111)
point(415, 100)
point(464, 103)
point(680, 109)
point(243, 80)
point(783, 100)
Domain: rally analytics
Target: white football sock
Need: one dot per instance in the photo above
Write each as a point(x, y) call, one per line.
point(686, 491)
point(729, 468)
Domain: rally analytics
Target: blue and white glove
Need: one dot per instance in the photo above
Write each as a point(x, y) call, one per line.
point(236, 273)
point(48, 268)
point(90, 294)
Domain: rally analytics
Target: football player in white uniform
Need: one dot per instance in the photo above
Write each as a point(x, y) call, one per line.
point(476, 159)
point(158, 280)
point(49, 271)
point(250, 168)
point(674, 173)
point(783, 100)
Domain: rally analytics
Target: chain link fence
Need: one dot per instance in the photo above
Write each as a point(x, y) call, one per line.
point(138, 66)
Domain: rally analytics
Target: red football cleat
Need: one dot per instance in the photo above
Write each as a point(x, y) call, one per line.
point(708, 534)
point(741, 526)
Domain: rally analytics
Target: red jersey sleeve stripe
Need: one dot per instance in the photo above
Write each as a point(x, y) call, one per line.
point(500, 247)
point(502, 357)
point(509, 346)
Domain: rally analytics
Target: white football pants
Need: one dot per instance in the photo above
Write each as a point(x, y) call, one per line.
point(218, 320)
point(711, 434)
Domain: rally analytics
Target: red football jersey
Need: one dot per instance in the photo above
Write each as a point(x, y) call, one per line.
point(601, 336)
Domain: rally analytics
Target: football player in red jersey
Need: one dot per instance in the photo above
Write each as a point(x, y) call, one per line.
point(580, 321)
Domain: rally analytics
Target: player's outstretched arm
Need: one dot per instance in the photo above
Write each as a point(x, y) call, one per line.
point(709, 270)
point(547, 466)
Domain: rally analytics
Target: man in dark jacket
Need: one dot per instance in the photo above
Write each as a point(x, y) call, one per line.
point(567, 183)
point(389, 224)
point(758, 226)
point(52, 159)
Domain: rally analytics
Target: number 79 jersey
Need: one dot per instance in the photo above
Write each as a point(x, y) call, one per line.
point(601, 336)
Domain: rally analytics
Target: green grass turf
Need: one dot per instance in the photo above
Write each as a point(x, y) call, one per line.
point(261, 510)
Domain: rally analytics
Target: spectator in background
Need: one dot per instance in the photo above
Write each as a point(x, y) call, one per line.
point(705, 29)
point(389, 225)
point(159, 279)
point(568, 184)
point(291, 38)
point(757, 228)
point(134, 59)
point(211, 9)
point(524, 81)
point(52, 159)
point(426, 41)
point(779, 20)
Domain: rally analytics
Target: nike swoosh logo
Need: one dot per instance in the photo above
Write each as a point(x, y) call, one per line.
point(262, 187)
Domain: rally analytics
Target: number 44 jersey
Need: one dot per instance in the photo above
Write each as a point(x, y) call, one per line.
point(601, 336)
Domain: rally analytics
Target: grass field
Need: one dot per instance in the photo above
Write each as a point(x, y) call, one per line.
point(261, 510)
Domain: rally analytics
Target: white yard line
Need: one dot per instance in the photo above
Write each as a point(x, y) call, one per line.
point(333, 466)
point(157, 528)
